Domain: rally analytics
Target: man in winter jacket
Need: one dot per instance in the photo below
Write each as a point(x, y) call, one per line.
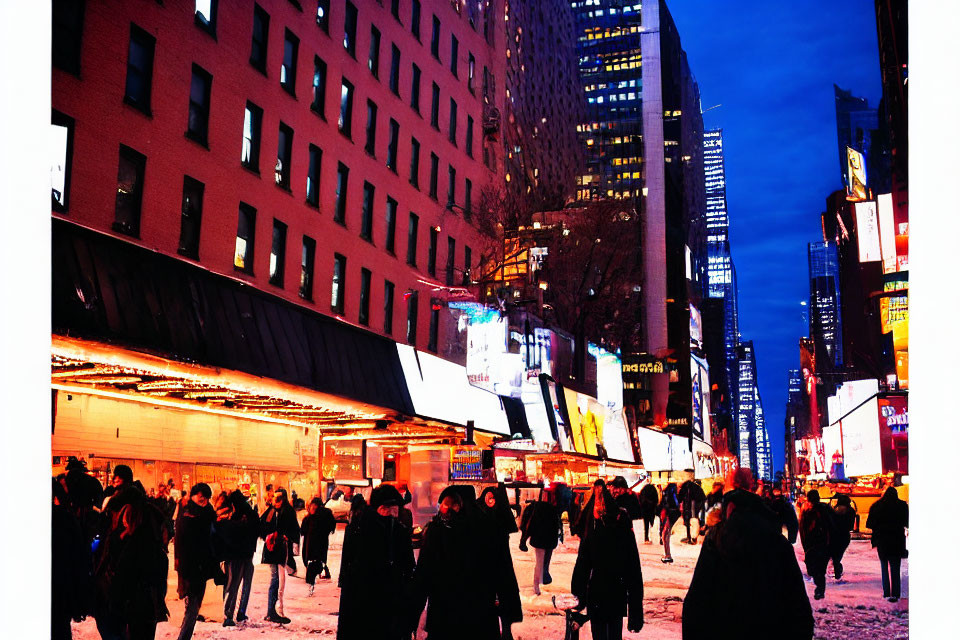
point(280, 531)
point(846, 517)
point(238, 534)
point(540, 524)
point(315, 531)
point(649, 499)
point(691, 500)
point(817, 530)
point(887, 521)
point(193, 554)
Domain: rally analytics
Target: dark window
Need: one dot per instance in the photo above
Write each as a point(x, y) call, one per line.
point(139, 68)
point(435, 108)
point(284, 152)
point(350, 29)
point(198, 120)
point(307, 254)
point(346, 108)
point(373, 62)
point(366, 212)
point(451, 257)
point(340, 210)
point(278, 252)
point(467, 194)
point(487, 85)
point(190, 213)
point(395, 69)
point(415, 162)
point(288, 71)
point(434, 329)
point(392, 146)
point(395, 9)
point(67, 34)
point(432, 255)
point(415, 89)
point(435, 38)
point(434, 169)
point(469, 143)
point(413, 301)
point(261, 32)
point(61, 127)
point(364, 315)
point(371, 145)
point(415, 19)
point(337, 293)
point(313, 176)
point(388, 289)
point(467, 258)
point(323, 15)
point(412, 239)
point(129, 191)
point(453, 122)
point(454, 55)
point(451, 185)
point(205, 15)
point(391, 216)
point(250, 153)
point(319, 87)
point(471, 71)
point(246, 229)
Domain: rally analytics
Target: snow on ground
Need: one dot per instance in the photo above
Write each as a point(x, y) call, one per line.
point(853, 609)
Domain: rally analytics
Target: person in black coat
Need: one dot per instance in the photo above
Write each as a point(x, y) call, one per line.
point(70, 564)
point(193, 554)
point(669, 512)
point(817, 532)
point(237, 532)
point(887, 520)
point(540, 524)
point(280, 531)
point(493, 502)
point(315, 529)
point(747, 583)
point(625, 499)
point(786, 515)
point(606, 577)
point(375, 572)
point(85, 494)
point(711, 501)
point(845, 519)
point(649, 499)
point(691, 500)
point(465, 574)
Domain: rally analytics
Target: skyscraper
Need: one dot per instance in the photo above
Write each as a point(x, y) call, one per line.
point(747, 403)
point(825, 329)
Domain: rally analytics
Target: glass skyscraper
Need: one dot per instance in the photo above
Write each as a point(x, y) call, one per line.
point(825, 328)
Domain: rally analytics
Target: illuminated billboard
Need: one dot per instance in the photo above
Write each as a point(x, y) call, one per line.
point(700, 398)
point(888, 234)
point(868, 231)
point(704, 461)
point(586, 422)
point(895, 318)
point(696, 328)
point(490, 364)
point(859, 428)
point(616, 437)
point(856, 176)
point(664, 451)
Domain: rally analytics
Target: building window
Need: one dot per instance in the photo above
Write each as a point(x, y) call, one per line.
point(454, 55)
point(129, 191)
point(467, 194)
point(364, 315)
point(467, 259)
point(451, 257)
point(284, 151)
point(366, 213)
point(415, 89)
point(323, 15)
point(432, 255)
point(392, 146)
point(453, 122)
point(388, 289)
point(435, 108)
point(395, 9)
point(67, 34)
point(373, 61)
point(371, 144)
point(487, 92)
point(391, 219)
point(288, 71)
point(198, 119)
point(413, 301)
point(350, 30)
point(415, 162)
point(415, 18)
point(434, 329)
point(412, 239)
point(395, 70)
point(338, 291)
point(340, 210)
point(191, 209)
point(246, 228)
point(139, 69)
point(435, 38)
point(307, 255)
point(61, 128)
point(250, 153)
point(469, 142)
point(319, 87)
point(471, 71)
point(278, 252)
point(205, 16)
point(261, 32)
point(313, 177)
point(346, 108)
point(434, 169)
point(451, 185)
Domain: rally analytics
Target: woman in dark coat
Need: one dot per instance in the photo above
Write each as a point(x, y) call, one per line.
point(607, 576)
point(237, 534)
point(845, 519)
point(669, 512)
point(316, 529)
point(540, 523)
point(888, 518)
point(649, 498)
point(493, 502)
point(70, 565)
point(375, 572)
point(280, 531)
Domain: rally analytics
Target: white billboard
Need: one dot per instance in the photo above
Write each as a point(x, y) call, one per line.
point(859, 427)
point(868, 231)
point(888, 234)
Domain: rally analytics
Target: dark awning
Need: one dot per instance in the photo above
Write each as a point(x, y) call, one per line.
point(106, 289)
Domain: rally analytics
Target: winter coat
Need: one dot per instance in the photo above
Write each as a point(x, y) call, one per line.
point(630, 503)
point(607, 576)
point(669, 507)
point(193, 548)
point(375, 572)
point(316, 529)
point(747, 583)
point(818, 528)
point(846, 517)
point(86, 495)
point(236, 537)
point(649, 498)
point(786, 516)
point(501, 513)
point(888, 518)
point(284, 524)
point(540, 523)
point(691, 498)
point(71, 565)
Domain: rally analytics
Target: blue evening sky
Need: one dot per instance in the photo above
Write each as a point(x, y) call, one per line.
point(772, 66)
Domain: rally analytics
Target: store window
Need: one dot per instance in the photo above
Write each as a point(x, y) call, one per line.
point(129, 191)
point(246, 228)
point(191, 210)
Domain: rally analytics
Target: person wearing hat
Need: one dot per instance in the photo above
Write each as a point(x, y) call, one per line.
point(193, 554)
point(376, 567)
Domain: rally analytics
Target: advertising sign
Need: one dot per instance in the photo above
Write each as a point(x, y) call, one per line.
point(556, 412)
point(637, 371)
point(696, 328)
point(655, 449)
point(616, 437)
point(700, 398)
point(868, 231)
point(490, 365)
point(811, 456)
point(586, 423)
point(888, 234)
point(466, 464)
point(704, 461)
point(860, 430)
point(893, 414)
point(856, 176)
point(343, 459)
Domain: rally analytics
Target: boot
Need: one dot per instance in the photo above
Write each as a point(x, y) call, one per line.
point(310, 591)
point(326, 572)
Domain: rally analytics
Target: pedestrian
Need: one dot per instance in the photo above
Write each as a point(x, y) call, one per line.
point(691, 498)
point(712, 502)
point(238, 533)
point(606, 577)
point(887, 520)
point(747, 583)
point(669, 511)
point(376, 568)
point(85, 496)
point(193, 554)
point(625, 499)
point(70, 565)
point(649, 499)
point(280, 530)
point(315, 531)
point(816, 535)
point(845, 517)
point(357, 504)
point(464, 575)
point(786, 514)
point(540, 524)
point(406, 515)
point(493, 502)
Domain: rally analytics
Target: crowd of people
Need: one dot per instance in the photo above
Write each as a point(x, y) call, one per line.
point(110, 555)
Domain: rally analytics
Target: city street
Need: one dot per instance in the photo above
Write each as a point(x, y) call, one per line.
point(851, 609)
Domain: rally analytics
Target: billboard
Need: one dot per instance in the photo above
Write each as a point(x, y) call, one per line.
point(856, 176)
point(888, 234)
point(704, 461)
point(490, 364)
point(616, 437)
point(858, 408)
point(700, 398)
point(696, 328)
point(895, 318)
point(586, 423)
point(664, 451)
point(637, 372)
point(868, 231)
